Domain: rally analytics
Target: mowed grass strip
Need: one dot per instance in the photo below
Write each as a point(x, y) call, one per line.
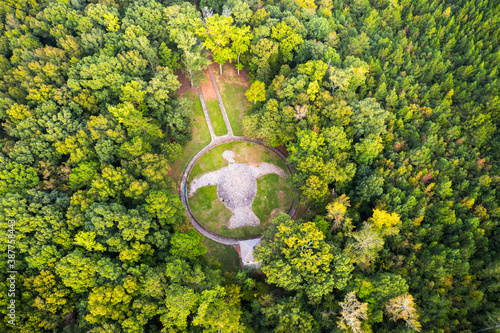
point(226, 255)
point(200, 137)
point(216, 117)
point(236, 103)
point(232, 88)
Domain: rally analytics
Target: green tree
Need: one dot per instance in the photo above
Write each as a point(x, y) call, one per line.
point(219, 311)
point(240, 42)
point(256, 92)
point(192, 57)
point(288, 39)
point(289, 317)
point(166, 206)
point(187, 245)
point(82, 175)
point(217, 38)
point(181, 303)
point(77, 271)
point(295, 256)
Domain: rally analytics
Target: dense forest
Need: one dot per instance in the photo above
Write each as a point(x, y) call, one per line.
point(389, 111)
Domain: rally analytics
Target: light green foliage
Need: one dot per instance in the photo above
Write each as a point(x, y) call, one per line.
point(87, 241)
point(187, 245)
point(52, 299)
point(183, 21)
point(265, 54)
point(320, 159)
point(134, 121)
point(77, 271)
point(105, 16)
point(295, 256)
point(180, 303)
point(101, 74)
point(111, 301)
point(161, 87)
point(82, 175)
point(257, 92)
point(288, 39)
point(133, 92)
point(379, 289)
point(217, 38)
point(168, 58)
point(240, 42)
point(109, 221)
point(134, 148)
point(147, 15)
point(15, 177)
point(273, 130)
point(41, 230)
point(219, 311)
point(369, 118)
point(241, 11)
point(289, 317)
point(166, 206)
point(367, 150)
point(192, 57)
point(392, 103)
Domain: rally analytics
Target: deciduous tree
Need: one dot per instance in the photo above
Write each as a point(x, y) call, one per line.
point(295, 256)
point(403, 307)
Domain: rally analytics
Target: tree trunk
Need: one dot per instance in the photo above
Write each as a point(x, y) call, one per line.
point(220, 66)
point(238, 63)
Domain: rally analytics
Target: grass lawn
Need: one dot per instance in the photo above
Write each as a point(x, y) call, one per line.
point(201, 138)
point(245, 152)
point(273, 197)
point(216, 117)
point(226, 255)
point(232, 88)
point(208, 209)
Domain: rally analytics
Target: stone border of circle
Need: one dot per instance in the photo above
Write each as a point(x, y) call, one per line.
point(185, 176)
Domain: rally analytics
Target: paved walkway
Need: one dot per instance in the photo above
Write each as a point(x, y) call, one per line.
point(215, 141)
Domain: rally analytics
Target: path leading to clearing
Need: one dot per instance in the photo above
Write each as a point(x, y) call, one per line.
point(218, 140)
point(207, 116)
point(221, 104)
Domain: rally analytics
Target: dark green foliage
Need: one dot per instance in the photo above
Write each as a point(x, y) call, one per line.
point(394, 103)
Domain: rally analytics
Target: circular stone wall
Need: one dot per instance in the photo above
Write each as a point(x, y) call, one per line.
point(237, 188)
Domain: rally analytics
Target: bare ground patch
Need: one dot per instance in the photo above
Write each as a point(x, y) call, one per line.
point(230, 75)
point(206, 87)
point(185, 83)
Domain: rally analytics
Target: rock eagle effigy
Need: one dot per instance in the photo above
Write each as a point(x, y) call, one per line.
point(236, 187)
